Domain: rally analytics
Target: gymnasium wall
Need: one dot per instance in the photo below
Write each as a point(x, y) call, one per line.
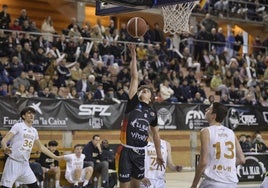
point(184, 144)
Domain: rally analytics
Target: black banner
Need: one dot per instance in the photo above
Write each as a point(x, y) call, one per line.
point(71, 114)
point(255, 167)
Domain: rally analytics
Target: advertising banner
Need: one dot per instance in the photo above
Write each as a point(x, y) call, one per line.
point(73, 114)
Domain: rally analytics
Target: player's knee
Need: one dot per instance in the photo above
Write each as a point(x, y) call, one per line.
point(105, 164)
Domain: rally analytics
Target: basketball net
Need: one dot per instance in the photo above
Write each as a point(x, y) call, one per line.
point(176, 17)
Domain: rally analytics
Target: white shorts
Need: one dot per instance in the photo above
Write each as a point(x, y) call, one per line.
point(69, 176)
point(17, 171)
point(155, 183)
point(207, 183)
point(265, 182)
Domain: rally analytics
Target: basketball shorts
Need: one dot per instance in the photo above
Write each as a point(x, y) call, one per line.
point(155, 183)
point(70, 176)
point(17, 171)
point(131, 164)
point(208, 183)
point(265, 181)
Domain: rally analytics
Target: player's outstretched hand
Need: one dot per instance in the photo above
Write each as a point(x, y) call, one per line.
point(8, 150)
point(59, 158)
point(160, 163)
point(132, 48)
point(146, 182)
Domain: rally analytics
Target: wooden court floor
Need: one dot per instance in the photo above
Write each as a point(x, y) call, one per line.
point(184, 180)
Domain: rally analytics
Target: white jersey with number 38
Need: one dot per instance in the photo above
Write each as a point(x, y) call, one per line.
point(222, 159)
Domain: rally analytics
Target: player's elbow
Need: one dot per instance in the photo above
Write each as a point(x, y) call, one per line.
point(241, 160)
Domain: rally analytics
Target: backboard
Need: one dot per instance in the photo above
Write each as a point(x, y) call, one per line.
point(110, 7)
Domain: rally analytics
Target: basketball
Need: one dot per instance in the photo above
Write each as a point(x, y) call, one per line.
point(136, 27)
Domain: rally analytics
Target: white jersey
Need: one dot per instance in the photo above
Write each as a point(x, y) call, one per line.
point(23, 141)
point(73, 162)
point(222, 155)
point(151, 170)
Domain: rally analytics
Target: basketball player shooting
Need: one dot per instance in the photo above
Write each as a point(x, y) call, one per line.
point(139, 118)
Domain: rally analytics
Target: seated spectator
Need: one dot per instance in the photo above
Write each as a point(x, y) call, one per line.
point(216, 84)
point(259, 145)
point(225, 99)
point(46, 93)
point(210, 100)
point(198, 99)
point(166, 92)
point(99, 93)
point(75, 171)
point(246, 147)
point(93, 154)
point(121, 94)
point(50, 165)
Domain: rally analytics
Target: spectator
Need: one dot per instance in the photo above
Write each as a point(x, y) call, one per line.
point(209, 23)
point(198, 99)
point(48, 28)
point(31, 92)
point(210, 100)
point(21, 80)
point(157, 34)
point(166, 92)
point(50, 165)
point(99, 93)
point(225, 99)
point(46, 93)
point(83, 86)
point(244, 144)
point(4, 17)
point(259, 145)
point(121, 94)
point(93, 154)
point(16, 25)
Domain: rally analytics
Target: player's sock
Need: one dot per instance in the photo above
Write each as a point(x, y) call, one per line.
point(76, 183)
point(57, 183)
point(85, 183)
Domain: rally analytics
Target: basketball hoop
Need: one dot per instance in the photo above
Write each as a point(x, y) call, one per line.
point(176, 17)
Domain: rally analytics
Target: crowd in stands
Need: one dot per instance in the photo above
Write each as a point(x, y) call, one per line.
point(251, 10)
point(255, 144)
point(90, 62)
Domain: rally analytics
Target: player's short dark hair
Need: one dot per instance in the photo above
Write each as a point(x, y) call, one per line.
point(53, 143)
point(79, 145)
point(220, 110)
point(27, 109)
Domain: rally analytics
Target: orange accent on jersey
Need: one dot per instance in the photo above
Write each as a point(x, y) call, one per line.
point(123, 134)
point(202, 3)
point(117, 156)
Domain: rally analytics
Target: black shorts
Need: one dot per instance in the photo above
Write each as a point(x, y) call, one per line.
point(131, 164)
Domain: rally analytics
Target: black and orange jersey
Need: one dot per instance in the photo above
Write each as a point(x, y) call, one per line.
point(138, 117)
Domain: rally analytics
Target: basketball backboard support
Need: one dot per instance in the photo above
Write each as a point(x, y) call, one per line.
point(110, 7)
point(104, 8)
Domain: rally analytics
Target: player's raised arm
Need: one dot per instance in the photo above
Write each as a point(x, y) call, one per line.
point(133, 88)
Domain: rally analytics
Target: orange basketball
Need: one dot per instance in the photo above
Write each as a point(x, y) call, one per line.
point(136, 27)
